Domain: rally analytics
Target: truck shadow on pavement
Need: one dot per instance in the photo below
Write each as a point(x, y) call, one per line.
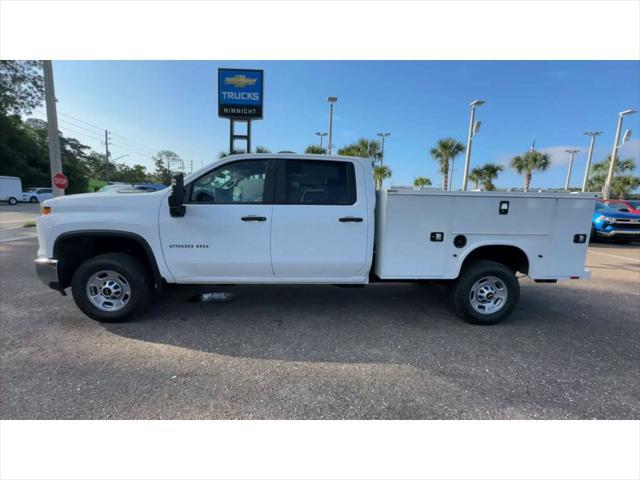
point(392, 323)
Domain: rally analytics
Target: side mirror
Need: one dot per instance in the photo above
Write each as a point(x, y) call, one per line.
point(176, 199)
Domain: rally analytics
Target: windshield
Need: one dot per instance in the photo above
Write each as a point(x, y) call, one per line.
point(634, 203)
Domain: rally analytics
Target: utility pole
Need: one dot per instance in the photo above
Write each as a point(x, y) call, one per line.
point(383, 135)
point(191, 166)
point(593, 136)
point(106, 147)
point(55, 157)
point(473, 129)
point(573, 154)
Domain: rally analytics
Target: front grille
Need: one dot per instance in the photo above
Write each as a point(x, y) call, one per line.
point(627, 223)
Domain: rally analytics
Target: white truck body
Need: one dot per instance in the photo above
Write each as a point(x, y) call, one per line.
point(10, 189)
point(294, 232)
point(542, 225)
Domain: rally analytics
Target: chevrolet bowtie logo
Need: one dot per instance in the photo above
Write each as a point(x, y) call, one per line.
point(240, 81)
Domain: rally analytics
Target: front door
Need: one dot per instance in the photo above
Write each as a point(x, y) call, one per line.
point(225, 232)
point(320, 222)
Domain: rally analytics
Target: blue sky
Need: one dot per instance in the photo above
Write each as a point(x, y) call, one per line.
point(152, 105)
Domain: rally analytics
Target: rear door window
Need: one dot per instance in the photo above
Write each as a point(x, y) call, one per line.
point(317, 182)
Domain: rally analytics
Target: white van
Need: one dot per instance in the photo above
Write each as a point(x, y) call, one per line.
point(10, 189)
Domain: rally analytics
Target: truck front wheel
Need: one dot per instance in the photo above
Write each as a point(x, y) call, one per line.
point(485, 293)
point(111, 287)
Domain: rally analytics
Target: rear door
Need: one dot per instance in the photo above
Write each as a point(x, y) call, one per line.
point(320, 222)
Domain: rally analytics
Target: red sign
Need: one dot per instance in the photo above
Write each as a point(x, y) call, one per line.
point(60, 181)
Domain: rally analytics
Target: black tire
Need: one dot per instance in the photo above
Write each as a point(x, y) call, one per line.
point(593, 237)
point(13, 200)
point(134, 272)
point(474, 272)
point(623, 240)
point(33, 199)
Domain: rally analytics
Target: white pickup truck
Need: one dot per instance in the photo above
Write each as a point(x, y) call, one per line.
point(307, 219)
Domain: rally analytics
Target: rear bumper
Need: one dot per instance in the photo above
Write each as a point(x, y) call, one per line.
point(47, 270)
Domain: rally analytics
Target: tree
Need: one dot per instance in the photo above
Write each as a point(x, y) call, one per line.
point(488, 172)
point(21, 86)
point(380, 174)
point(261, 149)
point(164, 161)
point(316, 149)
point(25, 153)
point(623, 182)
point(528, 163)
point(420, 182)
point(363, 148)
point(446, 150)
point(475, 176)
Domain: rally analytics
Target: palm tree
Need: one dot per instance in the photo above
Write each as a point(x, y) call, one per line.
point(623, 183)
point(530, 162)
point(476, 177)
point(381, 173)
point(420, 182)
point(362, 148)
point(447, 149)
point(489, 172)
point(316, 149)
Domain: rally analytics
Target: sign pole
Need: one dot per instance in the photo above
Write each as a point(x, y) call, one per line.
point(249, 136)
point(55, 158)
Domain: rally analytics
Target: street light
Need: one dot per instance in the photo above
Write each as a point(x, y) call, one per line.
point(321, 134)
point(593, 135)
point(573, 154)
point(473, 130)
point(382, 135)
point(331, 101)
point(614, 152)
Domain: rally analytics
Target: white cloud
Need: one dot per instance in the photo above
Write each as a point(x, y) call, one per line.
point(559, 155)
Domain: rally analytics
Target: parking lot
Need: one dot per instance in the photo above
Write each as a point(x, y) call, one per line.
point(570, 350)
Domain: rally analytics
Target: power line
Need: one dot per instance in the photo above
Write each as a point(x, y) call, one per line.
point(67, 129)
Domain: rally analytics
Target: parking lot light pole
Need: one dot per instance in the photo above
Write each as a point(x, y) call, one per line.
point(606, 191)
point(573, 154)
point(331, 101)
point(473, 129)
point(321, 134)
point(593, 135)
point(383, 135)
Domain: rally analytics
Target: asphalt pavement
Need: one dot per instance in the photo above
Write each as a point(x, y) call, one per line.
point(13, 218)
point(393, 351)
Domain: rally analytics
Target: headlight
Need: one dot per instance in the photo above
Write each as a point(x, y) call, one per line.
point(604, 218)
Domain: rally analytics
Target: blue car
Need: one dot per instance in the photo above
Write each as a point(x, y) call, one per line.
point(610, 223)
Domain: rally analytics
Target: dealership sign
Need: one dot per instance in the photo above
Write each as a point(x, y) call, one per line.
point(240, 93)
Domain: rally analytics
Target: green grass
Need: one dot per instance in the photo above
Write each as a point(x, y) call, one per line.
point(29, 224)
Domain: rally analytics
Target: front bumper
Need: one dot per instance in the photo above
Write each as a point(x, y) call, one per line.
point(618, 233)
point(47, 270)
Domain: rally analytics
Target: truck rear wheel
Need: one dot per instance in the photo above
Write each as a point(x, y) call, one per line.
point(485, 293)
point(111, 287)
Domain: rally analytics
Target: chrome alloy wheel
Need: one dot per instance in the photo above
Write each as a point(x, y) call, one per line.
point(108, 290)
point(488, 295)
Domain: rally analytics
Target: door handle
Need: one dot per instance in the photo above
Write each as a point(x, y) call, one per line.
point(350, 219)
point(254, 218)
